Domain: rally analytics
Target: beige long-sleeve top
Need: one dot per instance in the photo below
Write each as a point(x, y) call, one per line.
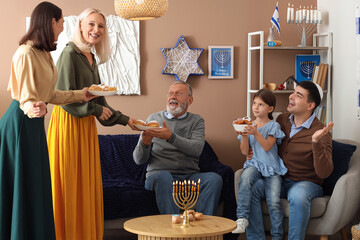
point(33, 78)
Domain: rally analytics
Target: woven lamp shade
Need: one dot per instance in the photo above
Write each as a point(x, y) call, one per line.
point(140, 9)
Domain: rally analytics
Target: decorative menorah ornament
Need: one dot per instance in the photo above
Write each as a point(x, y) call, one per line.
point(185, 195)
point(307, 68)
point(222, 58)
point(305, 21)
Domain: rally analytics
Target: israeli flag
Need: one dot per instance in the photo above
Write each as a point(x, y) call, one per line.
point(275, 19)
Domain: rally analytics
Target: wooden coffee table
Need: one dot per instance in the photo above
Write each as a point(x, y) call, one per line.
point(160, 227)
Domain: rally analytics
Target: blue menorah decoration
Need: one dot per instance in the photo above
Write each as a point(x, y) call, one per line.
point(307, 68)
point(305, 65)
point(222, 58)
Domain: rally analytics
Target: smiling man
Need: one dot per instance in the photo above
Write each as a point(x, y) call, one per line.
point(307, 153)
point(173, 153)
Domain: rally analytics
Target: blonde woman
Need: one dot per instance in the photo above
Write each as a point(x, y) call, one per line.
point(72, 135)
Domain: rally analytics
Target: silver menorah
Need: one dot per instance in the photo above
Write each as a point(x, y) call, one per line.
point(305, 22)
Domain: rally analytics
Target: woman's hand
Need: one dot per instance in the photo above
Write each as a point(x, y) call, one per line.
point(131, 124)
point(88, 96)
point(106, 114)
point(39, 109)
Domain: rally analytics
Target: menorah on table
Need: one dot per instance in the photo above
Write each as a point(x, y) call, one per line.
point(305, 21)
point(185, 195)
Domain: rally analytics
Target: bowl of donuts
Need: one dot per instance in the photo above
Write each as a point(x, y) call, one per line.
point(102, 90)
point(240, 123)
point(142, 125)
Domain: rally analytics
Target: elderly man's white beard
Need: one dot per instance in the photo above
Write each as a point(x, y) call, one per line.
point(174, 108)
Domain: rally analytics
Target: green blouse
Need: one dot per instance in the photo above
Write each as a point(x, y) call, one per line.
point(75, 73)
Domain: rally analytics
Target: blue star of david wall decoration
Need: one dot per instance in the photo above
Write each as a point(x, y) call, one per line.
point(182, 61)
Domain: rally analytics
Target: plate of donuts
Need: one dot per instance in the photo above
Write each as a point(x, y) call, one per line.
point(240, 123)
point(142, 125)
point(102, 90)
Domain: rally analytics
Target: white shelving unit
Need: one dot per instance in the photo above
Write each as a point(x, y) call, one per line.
point(322, 44)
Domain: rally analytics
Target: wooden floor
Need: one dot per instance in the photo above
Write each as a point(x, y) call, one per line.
point(123, 235)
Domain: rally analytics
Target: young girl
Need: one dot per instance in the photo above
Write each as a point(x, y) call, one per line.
point(265, 163)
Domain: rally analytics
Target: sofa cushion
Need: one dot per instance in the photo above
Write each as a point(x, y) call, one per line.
point(128, 200)
point(123, 180)
point(342, 153)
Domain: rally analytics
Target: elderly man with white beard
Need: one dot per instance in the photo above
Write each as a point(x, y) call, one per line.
point(173, 152)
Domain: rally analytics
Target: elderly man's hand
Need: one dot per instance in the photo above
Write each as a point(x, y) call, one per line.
point(162, 133)
point(146, 138)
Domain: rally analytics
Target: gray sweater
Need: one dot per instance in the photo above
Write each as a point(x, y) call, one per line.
point(178, 155)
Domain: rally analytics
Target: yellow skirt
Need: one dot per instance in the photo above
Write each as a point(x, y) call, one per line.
point(76, 176)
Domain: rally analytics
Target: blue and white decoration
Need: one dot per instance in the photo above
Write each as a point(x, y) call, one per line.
point(275, 19)
point(221, 62)
point(181, 60)
point(305, 66)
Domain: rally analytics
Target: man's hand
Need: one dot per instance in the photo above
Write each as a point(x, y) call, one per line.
point(250, 154)
point(146, 138)
point(320, 133)
point(162, 133)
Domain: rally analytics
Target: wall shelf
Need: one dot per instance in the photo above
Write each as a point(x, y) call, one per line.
point(322, 44)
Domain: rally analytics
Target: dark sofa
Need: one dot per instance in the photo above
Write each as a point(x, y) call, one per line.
point(123, 181)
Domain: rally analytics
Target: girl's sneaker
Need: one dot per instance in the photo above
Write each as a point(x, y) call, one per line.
point(241, 225)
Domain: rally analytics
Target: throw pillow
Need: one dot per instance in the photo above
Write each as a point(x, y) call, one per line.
point(342, 153)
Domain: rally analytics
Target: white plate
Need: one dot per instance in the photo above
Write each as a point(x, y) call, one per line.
point(103, 93)
point(143, 128)
point(239, 127)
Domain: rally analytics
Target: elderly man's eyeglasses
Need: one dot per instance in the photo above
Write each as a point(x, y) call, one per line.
point(176, 94)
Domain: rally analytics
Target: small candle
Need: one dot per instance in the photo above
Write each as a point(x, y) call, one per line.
point(296, 16)
point(304, 13)
point(292, 14)
point(311, 15)
point(173, 187)
point(300, 15)
point(307, 15)
point(288, 16)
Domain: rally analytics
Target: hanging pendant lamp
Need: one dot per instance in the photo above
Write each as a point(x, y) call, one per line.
point(140, 9)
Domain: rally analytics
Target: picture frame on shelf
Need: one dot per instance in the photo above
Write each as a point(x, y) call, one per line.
point(221, 62)
point(304, 66)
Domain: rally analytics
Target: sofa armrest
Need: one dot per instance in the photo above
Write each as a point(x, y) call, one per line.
point(344, 202)
point(208, 162)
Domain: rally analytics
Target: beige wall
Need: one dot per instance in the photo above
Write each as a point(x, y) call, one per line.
point(203, 23)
